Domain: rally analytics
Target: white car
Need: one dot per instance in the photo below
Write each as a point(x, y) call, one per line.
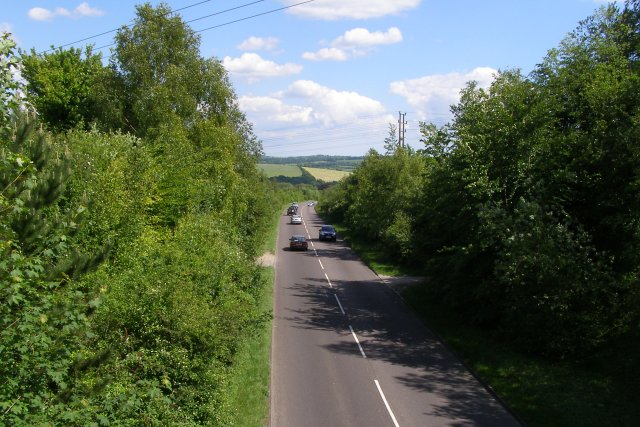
point(296, 219)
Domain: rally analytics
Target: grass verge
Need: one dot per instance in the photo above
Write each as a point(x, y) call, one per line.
point(248, 389)
point(598, 391)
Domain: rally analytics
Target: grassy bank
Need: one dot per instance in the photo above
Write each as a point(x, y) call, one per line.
point(248, 391)
point(601, 390)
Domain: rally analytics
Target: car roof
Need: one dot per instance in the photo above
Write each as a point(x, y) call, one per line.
point(298, 237)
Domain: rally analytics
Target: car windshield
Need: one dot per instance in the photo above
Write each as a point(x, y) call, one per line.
point(297, 239)
point(327, 228)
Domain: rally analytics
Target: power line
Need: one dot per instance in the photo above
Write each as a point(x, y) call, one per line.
point(234, 21)
point(116, 29)
point(255, 16)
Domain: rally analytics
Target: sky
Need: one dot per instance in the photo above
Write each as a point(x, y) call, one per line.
point(330, 76)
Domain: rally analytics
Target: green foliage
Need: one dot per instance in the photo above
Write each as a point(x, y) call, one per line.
point(526, 215)
point(61, 86)
point(127, 276)
point(378, 199)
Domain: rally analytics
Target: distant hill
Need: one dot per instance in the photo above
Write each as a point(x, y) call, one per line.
point(341, 163)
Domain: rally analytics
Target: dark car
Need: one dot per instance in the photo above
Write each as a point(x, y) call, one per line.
point(327, 232)
point(298, 242)
point(292, 210)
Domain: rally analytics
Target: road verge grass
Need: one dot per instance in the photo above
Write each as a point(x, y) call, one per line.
point(600, 390)
point(595, 391)
point(249, 387)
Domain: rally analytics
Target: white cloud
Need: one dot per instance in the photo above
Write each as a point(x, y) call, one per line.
point(259, 43)
point(327, 54)
point(82, 10)
point(352, 9)
point(270, 109)
point(361, 37)
point(435, 94)
point(330, 106)
point(253, 67)
point(356, 42)
point(308, 103)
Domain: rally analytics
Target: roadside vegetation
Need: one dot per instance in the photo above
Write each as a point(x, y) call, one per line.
point(523, 213)
point(131, 216)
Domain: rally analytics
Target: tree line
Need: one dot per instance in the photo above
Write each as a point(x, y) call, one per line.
point(131, 214)
point(524, 210)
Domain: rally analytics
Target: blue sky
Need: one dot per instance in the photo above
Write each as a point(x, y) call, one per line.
point(328, 76)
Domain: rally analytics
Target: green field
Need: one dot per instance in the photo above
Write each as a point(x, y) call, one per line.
point(326, 175)
point(272, 170)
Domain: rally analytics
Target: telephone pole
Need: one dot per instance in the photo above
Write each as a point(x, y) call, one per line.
point(401, 128)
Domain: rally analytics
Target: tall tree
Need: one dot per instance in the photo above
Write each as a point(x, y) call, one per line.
point(62, 86)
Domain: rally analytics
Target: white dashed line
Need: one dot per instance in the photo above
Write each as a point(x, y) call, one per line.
point(340, 305)
point(321, 266)
point(328, 281)
point(384, 399)
point(357, 342)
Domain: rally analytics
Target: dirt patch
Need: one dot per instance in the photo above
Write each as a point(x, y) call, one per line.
point(268, 259)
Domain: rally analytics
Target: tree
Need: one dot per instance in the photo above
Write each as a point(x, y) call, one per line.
point(391, 141)
point(62, 86)
point(166, 81)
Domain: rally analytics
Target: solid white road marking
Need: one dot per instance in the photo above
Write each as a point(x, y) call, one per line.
point(357, 342)
point(384, 399)
point(340, 305)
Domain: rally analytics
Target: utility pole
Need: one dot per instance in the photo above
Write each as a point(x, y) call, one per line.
point(401, 128)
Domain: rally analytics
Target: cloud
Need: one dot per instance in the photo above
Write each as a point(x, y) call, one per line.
point(253, 67)
point(82, 10)
point(436, 93)
point(327, 54)
point(274, 110)
point(361, 37)
point(356, 42)
point(330, 106)
point(259, 43)
point(352, 9)
point(308, 103)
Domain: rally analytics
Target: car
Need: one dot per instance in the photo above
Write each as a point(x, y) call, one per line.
point(296, 219)
point(298, 242)
point(327, 232)
point(310, 204)
point(292, 210)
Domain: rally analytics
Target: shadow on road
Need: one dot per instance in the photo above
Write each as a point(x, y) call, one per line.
point(390, 334)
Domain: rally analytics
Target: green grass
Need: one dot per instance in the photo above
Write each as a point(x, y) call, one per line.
point(248, 390)
point(599, 391)
point(272, 170)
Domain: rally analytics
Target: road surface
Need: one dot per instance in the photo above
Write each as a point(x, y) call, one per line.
point(347, 351)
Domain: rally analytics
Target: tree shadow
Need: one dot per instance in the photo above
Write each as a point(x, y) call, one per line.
point(391, 334)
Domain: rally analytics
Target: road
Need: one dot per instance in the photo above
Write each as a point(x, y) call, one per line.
point(347, 351)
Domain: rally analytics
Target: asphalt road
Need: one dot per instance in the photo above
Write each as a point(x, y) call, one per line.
point(347, 351)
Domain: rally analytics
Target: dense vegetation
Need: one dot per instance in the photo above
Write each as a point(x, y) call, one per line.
point(131, 214)
point(524, 211)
